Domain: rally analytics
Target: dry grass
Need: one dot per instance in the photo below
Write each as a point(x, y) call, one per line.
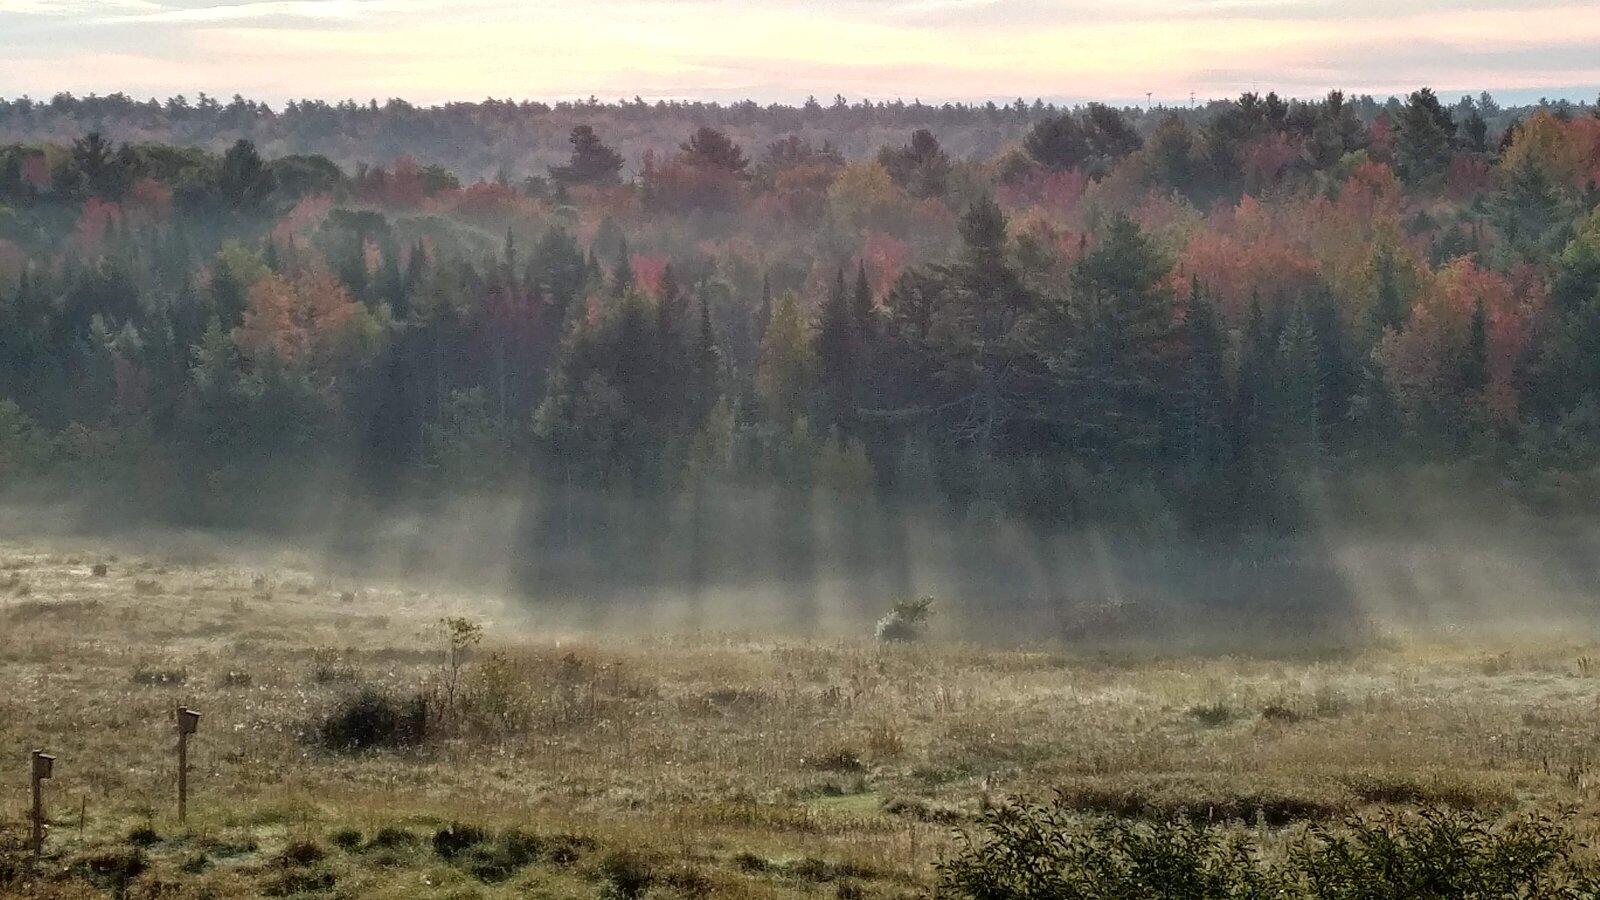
point(703, 765)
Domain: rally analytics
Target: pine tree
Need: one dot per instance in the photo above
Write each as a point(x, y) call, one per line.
point(1390, 311)
point(1424, 134)
point(1122, 345)
point(764, 308)
point(1204, 386)
point(509, 260)
point(592, 161)
point(1299, 387)
point(669, 308)
point(622, 273)
point(1252, 403)
point(705, 384)
point(836, 353)
point(1475, 367)
point(416, 268)
point(1336, 364)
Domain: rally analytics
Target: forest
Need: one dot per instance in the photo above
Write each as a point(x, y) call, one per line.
point(1178, 321)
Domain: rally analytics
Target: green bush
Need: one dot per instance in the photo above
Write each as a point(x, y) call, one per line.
point(371, 719)
point(626, 875)
point(1046, 852)
point(907, 620)
point(455, 839)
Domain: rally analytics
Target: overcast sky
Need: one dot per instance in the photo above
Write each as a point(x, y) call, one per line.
point(433, 50)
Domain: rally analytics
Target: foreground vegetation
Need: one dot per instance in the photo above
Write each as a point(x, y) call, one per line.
point(362, 738)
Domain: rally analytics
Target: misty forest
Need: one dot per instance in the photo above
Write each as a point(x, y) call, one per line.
point(1257, 317)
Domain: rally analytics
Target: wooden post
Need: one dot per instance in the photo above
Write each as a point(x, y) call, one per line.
point(43, 768)
point(188, 723)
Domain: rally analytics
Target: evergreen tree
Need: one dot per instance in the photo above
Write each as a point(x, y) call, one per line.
point(592, 162)
point(245, 181)
point(1474, 376)
point(1202, 438)
point(836, 354)
point(1298, 397)
point(1390, 311)
point(706, 358)
point(1424, 136)
point(622, 272)
point(1121, 352)
point(1253, 420)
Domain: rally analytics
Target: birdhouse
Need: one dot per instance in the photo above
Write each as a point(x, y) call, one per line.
point(43, 765)
point(188, 720)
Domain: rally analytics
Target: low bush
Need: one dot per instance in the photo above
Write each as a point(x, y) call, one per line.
point(371, 719)
point(626, 875)
point(1167, 803)
point(836, 759)
point(1212, 715)
point(512, 850)
point(907, 620)
point(455, 839)
point(388, 838)
point(112, 869)
point(1034, 852)
point(301, 853)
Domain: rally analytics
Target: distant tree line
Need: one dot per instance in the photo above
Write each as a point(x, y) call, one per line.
point(493, 138)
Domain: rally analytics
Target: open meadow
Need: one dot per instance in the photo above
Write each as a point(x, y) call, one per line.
point(362, 738)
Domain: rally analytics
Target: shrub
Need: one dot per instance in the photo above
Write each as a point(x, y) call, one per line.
point(746, 861)
point(1212, 715)
point(346, 839)
point(510, 852)
point(327, 667)
point(113, 869)
point(301, 853)
point(566, 849)
point(455, 839)
point(627, 875)
point(1280, 712)
point(1032, 852)
point(371, 719)
point(907, 620)
point(836, 759)
point(1158, 803)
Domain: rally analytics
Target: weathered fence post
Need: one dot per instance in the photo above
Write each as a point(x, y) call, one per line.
point(43, 768)
point(188, 723)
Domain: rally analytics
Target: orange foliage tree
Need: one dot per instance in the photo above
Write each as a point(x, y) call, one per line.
point(1568, 150)
point(309, 321)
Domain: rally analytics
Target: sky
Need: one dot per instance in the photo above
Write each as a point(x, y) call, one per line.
point(429, 51)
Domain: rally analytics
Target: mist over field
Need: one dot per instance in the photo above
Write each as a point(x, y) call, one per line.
point(1386, 557)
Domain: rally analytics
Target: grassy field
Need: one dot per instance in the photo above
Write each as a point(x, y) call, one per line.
point(687, 765)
